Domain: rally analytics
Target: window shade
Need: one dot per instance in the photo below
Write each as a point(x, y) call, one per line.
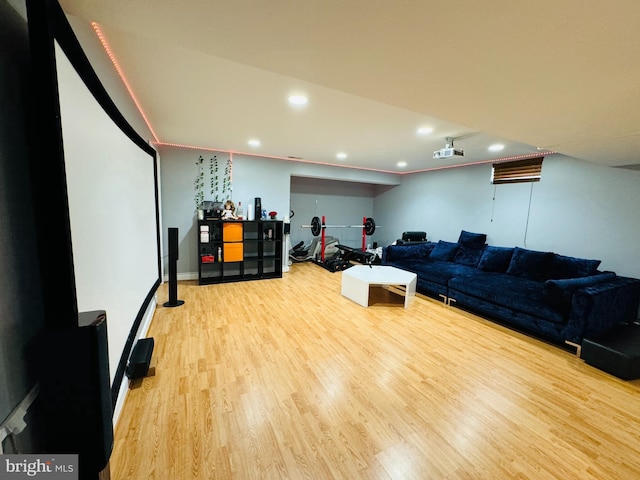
point(528, 170)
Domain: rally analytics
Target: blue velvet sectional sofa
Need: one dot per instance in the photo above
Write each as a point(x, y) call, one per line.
point(563, 299)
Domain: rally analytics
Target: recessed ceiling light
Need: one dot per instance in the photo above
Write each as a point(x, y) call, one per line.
point(496, 147)
point(298, 100)
point(424, 130)
point(341, 155)
point(401, 164)
point(254, 142)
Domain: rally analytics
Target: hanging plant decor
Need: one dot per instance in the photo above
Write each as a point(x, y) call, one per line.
point(226, 182)
point(198, 183)
point(219, 190)
point(213, 179)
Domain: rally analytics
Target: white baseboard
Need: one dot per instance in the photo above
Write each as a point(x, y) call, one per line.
point(182, 276)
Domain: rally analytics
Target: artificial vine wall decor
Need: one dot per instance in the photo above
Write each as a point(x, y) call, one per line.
point(219, 187)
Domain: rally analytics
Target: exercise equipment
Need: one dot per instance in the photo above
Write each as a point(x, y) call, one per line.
point(368, 226)
point(303, 253)
point(336, 263)
point(350, 253)
point(318, 227)
point(332, 253)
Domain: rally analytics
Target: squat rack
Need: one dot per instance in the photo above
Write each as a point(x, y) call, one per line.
point(318, 227)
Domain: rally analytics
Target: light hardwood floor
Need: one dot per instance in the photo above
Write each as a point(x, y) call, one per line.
point(286, 378)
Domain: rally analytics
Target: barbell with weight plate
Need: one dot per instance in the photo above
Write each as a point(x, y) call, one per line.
point(317, 226)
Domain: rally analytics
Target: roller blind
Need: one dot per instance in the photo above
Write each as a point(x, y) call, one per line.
point(520, 171)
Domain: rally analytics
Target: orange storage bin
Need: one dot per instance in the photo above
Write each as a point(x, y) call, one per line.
point(231, 232)
point(232, 252)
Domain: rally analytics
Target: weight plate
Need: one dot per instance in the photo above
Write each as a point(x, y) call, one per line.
point(316, 226)
point(369, 226)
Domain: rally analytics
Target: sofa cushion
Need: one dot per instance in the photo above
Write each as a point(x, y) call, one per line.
point(438, 271)
point(410, 264)
point(397, 252)
point(469, 254)
point(495, 259)
point(469, 238)
point(530, 264)
point(558, 293)
point(516, 293)
point(571, 267)
point(444, 251)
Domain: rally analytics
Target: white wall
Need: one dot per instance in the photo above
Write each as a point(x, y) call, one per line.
point(264, 178)
point(578, 209)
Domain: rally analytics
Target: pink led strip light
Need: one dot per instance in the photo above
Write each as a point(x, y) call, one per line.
point(275, 157)
point(116, 65)
point(301, 160)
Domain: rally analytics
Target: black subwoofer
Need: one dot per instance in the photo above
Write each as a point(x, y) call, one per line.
point(74, 403)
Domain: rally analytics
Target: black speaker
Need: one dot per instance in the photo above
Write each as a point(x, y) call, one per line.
point(258, 208)
point(74, 403)
point(173, 270)
point(140, 358)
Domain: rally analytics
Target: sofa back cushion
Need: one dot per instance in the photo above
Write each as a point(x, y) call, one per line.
point(495, 259)
point(469, 255)
point(444, 251)
point(572, 267)
point(469, 238)
point(530, 264)
point(399, 252)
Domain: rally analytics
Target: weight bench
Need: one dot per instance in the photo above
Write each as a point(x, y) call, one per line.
point(350, 253)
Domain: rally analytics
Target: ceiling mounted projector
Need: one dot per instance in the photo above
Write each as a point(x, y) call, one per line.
point(448, 151)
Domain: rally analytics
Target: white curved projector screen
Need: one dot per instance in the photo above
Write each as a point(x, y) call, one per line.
point(112, 206)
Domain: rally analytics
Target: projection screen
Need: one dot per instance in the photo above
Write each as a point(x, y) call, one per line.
point(112, 196)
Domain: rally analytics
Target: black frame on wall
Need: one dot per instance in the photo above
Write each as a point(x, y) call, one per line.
point(48, 23)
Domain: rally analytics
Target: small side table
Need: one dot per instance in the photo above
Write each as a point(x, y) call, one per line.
point(357, 280)
point(617, 352)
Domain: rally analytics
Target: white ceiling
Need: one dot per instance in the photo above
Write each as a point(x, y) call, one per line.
point(561, 75)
